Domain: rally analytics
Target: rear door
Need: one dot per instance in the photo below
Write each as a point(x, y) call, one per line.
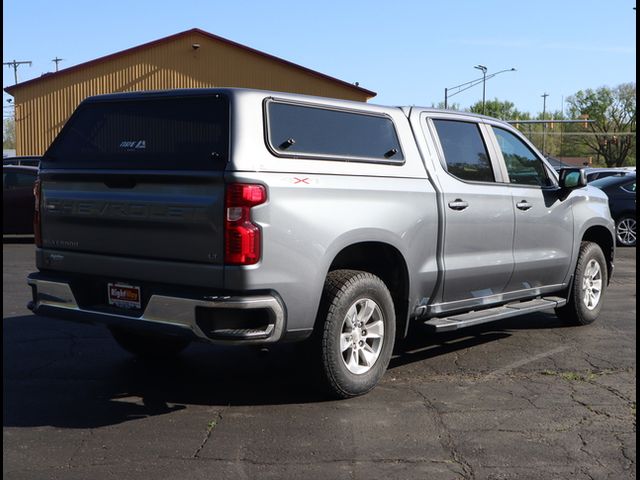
point(139, 176)
point(478, 215)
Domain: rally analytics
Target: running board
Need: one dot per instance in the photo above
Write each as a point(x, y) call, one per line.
point(477, 317)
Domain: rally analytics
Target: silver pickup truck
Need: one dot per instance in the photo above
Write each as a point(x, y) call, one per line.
point(250, 217)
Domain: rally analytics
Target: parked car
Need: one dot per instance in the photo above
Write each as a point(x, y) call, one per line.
point(17, 198)
point(240, 216)
point(621, 190)
point(596, 173)
point(558, 164)
point(28, 161)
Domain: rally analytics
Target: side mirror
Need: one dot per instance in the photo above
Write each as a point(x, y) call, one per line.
point(571, 178)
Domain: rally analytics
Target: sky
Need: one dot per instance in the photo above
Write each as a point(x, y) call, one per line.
point(406, 51)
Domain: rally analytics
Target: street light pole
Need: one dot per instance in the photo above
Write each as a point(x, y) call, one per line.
point(544, 125)
point(484, 84)
point(467, 85)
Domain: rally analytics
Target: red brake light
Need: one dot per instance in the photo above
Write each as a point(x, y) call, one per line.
point(242, 236)
point(37, 231)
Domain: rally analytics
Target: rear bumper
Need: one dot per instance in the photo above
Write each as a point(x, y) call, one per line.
point(258, 319)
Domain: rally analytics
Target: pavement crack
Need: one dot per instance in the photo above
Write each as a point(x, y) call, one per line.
point(210, 427)
point(612, 390)
point(589, 454)
point(589, 357)
point(446, 438)
point(515, 395)
point(631, 461)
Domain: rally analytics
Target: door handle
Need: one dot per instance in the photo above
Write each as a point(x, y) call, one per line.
point(458, 204)
point(523, 205)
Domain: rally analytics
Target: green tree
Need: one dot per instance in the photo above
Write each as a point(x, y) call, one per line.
point(9, 133)
point(612, 112)
point(450, 106)
point(503, 110)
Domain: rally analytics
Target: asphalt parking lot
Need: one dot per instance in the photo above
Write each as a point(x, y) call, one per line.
point(523, 398)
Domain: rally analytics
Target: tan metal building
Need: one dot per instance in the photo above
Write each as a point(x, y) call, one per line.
point(190, 59)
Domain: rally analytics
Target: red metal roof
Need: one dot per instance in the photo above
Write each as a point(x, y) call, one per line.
point(145, 46)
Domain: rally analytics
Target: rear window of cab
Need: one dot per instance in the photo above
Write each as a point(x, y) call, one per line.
point(145, 132)
point(305, 131)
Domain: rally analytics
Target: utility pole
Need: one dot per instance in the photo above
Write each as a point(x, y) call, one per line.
point(56, 61)
point(15, 66)
point(544, 125)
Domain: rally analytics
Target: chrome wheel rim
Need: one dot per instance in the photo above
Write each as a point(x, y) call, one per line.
point(362, 336)
point(626, 231)
point(592, 285)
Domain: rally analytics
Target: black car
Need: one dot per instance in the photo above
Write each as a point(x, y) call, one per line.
point(25, 160)
point(598, 173)
point(621, 190)
point(17, 199)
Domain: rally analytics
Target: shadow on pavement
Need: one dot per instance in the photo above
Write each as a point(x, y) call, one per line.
point(422, 343)
point(71, 375)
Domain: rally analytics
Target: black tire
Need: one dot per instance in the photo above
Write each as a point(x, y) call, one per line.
point(626, 231)
point(147, 344)
point(589, 281)
point(372, 306)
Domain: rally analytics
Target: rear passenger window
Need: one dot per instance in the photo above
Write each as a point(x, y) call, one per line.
point(464, 150)
point(304, 131)
point(523, 166)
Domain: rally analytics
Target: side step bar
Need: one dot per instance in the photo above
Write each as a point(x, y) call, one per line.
point(477, 317)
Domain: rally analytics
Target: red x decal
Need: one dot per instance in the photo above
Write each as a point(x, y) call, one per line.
point(297, 180)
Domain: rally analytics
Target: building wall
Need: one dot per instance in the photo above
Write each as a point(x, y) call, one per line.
point(42, 108)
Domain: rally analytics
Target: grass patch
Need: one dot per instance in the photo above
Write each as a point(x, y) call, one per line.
point(572, 376)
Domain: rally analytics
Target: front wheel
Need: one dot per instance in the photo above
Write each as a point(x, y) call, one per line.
point(589, 286)
point(358, 332)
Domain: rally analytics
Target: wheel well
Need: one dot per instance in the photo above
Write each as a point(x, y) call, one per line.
point(387, 263)
point(602, 237)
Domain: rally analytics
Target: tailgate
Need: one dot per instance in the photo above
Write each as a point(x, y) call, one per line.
point(171, 216)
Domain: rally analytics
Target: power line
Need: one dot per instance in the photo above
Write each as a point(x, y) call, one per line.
point(586, 134)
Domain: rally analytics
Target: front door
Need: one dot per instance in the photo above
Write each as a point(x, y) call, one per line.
point(543, 240)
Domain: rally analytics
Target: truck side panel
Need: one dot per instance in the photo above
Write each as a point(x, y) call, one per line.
point(307, 223)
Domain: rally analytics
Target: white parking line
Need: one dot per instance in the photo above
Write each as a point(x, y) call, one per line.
point(519, 363)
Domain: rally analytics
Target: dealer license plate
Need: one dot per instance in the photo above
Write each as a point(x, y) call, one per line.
point(123, 295)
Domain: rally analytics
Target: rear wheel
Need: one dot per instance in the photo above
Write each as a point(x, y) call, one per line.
point(149, 345)
point(589, 286)
point(358, 332)
point(626, 231)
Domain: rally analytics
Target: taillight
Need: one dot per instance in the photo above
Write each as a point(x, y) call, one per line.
point(241, 235)
point(37, 230)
